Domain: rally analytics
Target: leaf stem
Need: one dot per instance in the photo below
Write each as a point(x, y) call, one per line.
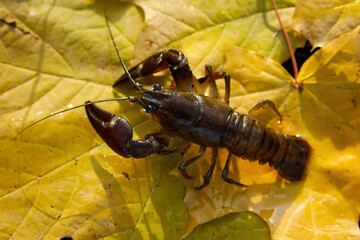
point(288, 44)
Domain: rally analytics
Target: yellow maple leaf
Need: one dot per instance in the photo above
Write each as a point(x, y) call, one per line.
point(61, 180)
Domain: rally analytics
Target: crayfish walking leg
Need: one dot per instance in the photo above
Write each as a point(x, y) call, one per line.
point(209, 173)
point(225, 172)
point(173, 59)
point(182, 166)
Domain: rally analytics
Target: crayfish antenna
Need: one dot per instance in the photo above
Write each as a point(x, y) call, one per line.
point(137, 85)
point(131, 99)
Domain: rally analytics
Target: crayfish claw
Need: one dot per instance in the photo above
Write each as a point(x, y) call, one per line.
point(115, 131)
point(98, 113)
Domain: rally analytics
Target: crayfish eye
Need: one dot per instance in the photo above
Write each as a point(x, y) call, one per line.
point(157, 87)
point(150, 108)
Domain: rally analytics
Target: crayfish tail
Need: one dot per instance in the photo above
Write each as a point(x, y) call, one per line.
point(297, 153)
point(287, 154)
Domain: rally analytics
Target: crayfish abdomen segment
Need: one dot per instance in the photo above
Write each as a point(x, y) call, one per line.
point(250, 139)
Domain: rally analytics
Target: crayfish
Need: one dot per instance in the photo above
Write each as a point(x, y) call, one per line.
point(198, 119)
point(195, 118)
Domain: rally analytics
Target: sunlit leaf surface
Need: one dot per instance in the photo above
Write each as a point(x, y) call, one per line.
point(320, 21)
point(201, 29)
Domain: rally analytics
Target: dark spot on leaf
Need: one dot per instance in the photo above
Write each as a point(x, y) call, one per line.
point(354, 101)
point(149, 43)
point(300, 88)
point(13, 25)
point(126, 175)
